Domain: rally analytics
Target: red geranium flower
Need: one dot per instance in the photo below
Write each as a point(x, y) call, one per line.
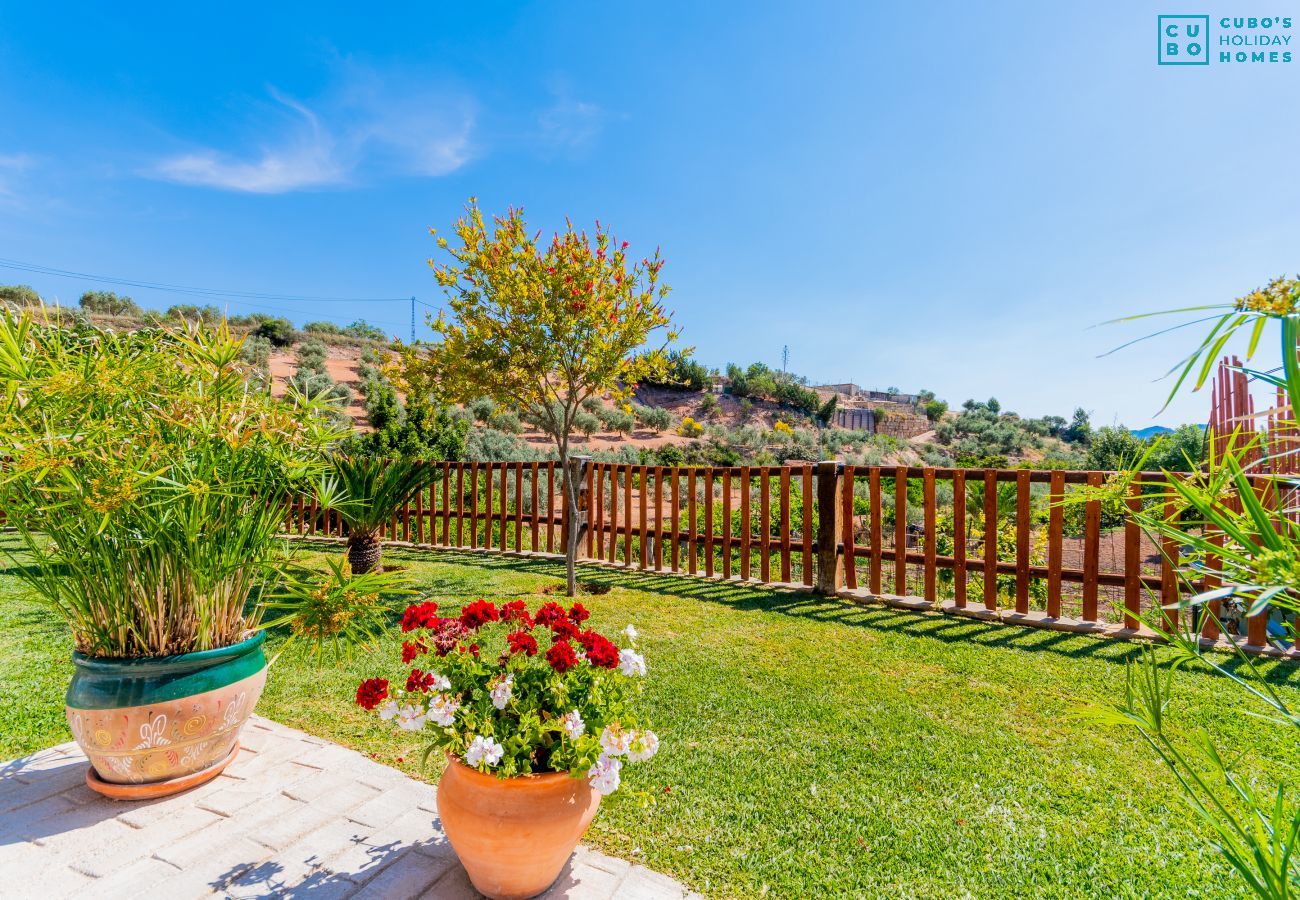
point(477, 614)
point(600, 650)
point(522, 642)
point(549, 614)
point(412, 649)
point(419, 681)
point(564, 629)
point(516, 611)
point(420, 615)
point(561, 656)
point(372, 692)
point(578, 613)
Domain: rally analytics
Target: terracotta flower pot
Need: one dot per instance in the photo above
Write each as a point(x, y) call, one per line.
point(159, 725)
point(513, 835)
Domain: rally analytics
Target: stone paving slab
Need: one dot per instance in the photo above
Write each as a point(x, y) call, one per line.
point(292, 816)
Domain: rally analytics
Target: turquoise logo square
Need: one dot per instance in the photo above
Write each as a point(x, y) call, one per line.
point(1183, 40)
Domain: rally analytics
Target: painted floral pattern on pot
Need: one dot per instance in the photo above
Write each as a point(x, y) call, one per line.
point(165, 740)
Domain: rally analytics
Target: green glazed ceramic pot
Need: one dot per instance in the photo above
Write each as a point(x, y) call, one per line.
point(163, 720)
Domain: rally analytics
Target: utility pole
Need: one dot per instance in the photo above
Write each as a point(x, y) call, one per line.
point(412, 320)
point(785, 359)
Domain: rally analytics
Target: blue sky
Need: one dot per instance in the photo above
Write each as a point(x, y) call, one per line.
point(946, 196)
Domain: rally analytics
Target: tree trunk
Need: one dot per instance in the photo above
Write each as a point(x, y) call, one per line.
point(571, 539)
point(363, 553)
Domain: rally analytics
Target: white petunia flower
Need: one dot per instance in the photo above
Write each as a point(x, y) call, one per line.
point(644, 745)
point(442, 709)
point(631, 663)
point(388, 710)
point(573, 724)
point(630, 631)
point(410, 718)
point(501, 692)
point(483, 750)
point(439, 683)
point(604, 775)
point(615, 741)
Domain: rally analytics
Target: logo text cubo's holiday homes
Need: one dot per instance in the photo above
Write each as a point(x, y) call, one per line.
point(1195, 40)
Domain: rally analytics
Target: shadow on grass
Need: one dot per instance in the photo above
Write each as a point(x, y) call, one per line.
point(836, 610)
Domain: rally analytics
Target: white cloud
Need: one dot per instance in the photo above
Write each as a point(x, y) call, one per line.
point(570, 124)
point(369, 129)
point(12, 167)
point(308, 159)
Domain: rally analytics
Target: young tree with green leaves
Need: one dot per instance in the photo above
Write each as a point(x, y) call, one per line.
point(542, 327)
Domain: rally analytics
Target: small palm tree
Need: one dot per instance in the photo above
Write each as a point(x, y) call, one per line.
point(366, 493)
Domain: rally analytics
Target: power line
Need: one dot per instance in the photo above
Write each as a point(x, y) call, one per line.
point(39, 269)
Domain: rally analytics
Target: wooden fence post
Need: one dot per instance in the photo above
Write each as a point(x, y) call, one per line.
point(830, 502)
point(577, 470)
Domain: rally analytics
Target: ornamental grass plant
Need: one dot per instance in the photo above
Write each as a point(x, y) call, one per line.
point(142, 471)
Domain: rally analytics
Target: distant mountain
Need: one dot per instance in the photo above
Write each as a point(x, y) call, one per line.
point(1153, 430)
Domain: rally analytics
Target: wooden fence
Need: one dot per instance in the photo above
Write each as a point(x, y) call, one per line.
point(889, 532)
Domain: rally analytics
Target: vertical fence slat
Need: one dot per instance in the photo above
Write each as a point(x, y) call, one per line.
point(1022, 541)
point(460, 505)
point(900, 531)
point(745, 524)
point(505, 496)
point(419, 515)
point(627, 515)
point(1132, 560)
point(877, 562)
point(519, 506)
point(532, 472)
point(675, 505)
point(446, 503)
point(807, 524)
point(930, 511)
point(1169, 575)
point(990, 539)
point(550, 506)
point(959, 538)
point(848, 535)
point(726, 523)
point(643, 495)
point(765, 526)
point(1091, 550)
point(1055, 542)
point(473, 505)
point(708, 521)
point(690, 522)
point(785, 524)
point(613, 514)
point(659, 519)
point(1210, 614)
point(597, 526)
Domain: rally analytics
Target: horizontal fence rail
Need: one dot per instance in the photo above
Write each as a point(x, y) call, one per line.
point(989, 541)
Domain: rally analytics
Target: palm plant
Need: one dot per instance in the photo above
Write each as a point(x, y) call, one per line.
point(366, 492)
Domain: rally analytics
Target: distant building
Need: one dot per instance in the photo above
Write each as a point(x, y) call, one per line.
point(855, 419)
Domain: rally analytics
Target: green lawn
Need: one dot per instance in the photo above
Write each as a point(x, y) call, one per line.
point(811, 747)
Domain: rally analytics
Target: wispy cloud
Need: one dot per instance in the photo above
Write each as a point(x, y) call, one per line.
point(570, 125)
point(308, 158)
point(368, 129)
point(12, 168)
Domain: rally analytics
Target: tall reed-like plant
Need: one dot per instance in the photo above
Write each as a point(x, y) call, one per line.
point(145, 472)
point(1238, 512)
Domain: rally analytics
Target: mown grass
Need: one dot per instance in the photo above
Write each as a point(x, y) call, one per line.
point(811, 747)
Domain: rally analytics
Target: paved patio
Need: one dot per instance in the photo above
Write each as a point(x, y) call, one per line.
point(293, 816)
